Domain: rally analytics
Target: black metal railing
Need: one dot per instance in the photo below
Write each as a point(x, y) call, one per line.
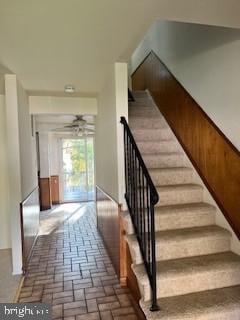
point(130, 96)
point(141, 197)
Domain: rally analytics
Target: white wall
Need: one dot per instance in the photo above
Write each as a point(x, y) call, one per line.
point(206, 61)
point(28, 156)
point(62, 105)
point(5, 241)
point(112, 104)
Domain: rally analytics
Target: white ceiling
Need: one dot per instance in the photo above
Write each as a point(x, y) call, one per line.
point(51, 43)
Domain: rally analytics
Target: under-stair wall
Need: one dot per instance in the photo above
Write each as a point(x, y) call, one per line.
point(214, 157)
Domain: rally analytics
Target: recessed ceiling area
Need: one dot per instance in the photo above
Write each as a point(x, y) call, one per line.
point(50, 44)
point(65, 124)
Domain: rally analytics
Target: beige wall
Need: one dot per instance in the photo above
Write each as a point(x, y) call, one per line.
point(44, 155)
point(2, 85)
point(49, 153)
point(106, 138)
point(109, 141)
point(5, 241)
point(54, 154)
point(27, 142)
point(121, 83)
point(14, 169)
point(62, 105)
point(206, 61)
point(21, 159)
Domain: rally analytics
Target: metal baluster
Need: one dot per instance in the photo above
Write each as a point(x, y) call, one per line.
point(125, 162)
point(154, 306)
point(132, 174)
point(141, 196)
point(149, 226)
point(131, 180)
point(140, 205)
point(127, 168)
point(136, 195)
point(144, 212)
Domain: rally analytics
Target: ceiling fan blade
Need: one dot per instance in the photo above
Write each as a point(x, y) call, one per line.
point(73, 125)
point(88, 133)
point(67, 129)
point(89, 126)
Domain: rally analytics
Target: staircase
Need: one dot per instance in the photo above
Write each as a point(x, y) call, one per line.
point(198, 277)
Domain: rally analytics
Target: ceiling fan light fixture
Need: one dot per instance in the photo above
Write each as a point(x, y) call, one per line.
point(69, 88)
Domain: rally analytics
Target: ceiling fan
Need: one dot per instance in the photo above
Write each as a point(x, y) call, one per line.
point(79, 127)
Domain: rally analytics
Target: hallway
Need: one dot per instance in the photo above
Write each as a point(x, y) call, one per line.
point(70, 269)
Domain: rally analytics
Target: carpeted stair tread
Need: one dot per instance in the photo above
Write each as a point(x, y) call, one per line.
point(185, 215)
point(147, 122)
point(179, 194)
point(180, 243)
point(164, 159)
point(149, 134)
point(179, 216)
point(173, 175)
point(152, 147)
point(139, 94)
point(218, 304)
point(191, 233)
point(199, 273)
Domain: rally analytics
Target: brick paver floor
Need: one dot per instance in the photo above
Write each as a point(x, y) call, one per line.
point(70, 269)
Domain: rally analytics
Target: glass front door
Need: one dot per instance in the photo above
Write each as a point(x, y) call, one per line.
point(78, 169)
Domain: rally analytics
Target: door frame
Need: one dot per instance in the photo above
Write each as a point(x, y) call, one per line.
point(61, 176)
